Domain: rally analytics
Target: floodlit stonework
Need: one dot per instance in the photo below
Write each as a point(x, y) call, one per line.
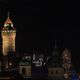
point(8, 34)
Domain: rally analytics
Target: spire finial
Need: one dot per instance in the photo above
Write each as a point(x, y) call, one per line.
point(8, 14)
point(8, 21)
point(55, 44)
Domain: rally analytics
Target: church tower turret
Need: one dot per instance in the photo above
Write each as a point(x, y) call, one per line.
point(8, 34)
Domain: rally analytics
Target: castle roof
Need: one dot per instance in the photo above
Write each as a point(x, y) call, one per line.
point(8, 21)
point(8, 24)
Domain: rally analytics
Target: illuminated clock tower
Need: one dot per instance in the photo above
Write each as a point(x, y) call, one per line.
point(8, 34)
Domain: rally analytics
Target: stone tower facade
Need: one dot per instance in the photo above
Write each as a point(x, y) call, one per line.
point(55, 71)
point(8, 34)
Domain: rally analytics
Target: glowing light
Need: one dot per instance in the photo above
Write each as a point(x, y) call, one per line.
point(66, 76)
point(10, 64)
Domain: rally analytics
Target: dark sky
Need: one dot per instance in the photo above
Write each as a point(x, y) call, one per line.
point(39, 23)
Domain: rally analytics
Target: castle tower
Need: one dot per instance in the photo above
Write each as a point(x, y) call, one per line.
point(55, 71)
point(8, 34)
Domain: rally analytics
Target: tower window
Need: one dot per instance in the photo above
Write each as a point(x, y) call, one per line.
point(57, 72)
point(52, 71)
point(23, 71)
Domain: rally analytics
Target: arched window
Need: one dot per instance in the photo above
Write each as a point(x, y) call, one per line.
point(23, 71)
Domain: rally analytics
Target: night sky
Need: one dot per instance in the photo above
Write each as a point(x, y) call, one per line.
point(39, 23)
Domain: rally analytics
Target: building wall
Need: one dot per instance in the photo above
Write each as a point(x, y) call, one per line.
point(27, 70)
point(39, 73)
point(55, 73)
point(8, 41)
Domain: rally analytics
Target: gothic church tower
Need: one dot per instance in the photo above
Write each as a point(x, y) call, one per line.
point(8, 34)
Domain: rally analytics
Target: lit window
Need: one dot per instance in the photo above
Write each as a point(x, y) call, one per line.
point(10, 30)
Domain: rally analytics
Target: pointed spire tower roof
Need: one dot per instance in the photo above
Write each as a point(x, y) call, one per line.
point(8, 24)
point(55, 46)
point(8, 21)
point(55, 52)
point(55, 57)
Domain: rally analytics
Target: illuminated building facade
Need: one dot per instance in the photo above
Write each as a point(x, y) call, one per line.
point(66, 60)
point(67, 65)
point(8, 34)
